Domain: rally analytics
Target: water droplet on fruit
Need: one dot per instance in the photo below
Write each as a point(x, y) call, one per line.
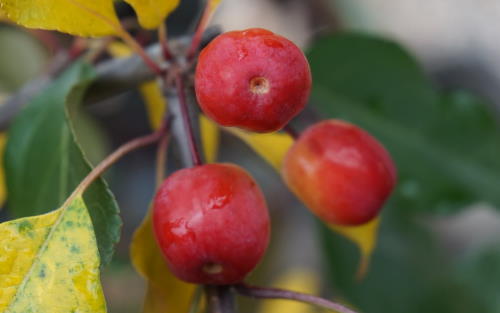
point(242, 53)
point(217, 202)
point(180, 229)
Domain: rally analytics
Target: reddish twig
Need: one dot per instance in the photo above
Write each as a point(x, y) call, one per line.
point(161, 157)
point(186, 120)
point(114, 157)
point(274, 293)
point(205, 19)
point(162, 37)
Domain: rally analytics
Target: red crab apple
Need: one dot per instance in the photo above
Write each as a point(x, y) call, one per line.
point(342, 173)
point(252, 79)
point(211, 223)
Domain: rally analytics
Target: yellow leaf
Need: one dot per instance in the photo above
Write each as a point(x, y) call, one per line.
point(118, 49)
point(151, 13)
point(165, 292)
point(365, 237)
point(214, 4)
point(299, 280)
point(210, 138)
point(3, 140)
point(76, 17)
point(272, 146)
point(50, 263)
point(156, 103)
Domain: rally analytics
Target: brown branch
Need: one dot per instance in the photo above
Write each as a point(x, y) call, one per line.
point(220, 299)
point(274, 293)
point(117, 155)
point(113, 77)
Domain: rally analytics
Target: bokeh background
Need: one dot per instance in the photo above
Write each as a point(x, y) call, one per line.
point(423, 76)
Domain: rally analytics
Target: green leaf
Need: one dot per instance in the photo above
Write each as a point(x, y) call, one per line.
point(22, 58)
point(408, 272)
point(481, 271)
point(44, 163)
point(445, 146)
point(50, 263)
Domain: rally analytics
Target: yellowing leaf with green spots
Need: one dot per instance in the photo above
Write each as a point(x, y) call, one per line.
point(76, 17)
point(273, 147)
point(50, 263)
point(151, 13)
point(210, 134)
point(3, 193)
point(44, 161)
point(297, 279)
point(165, 292)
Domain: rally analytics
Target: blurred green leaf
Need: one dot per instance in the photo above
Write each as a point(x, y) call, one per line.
point(481, 270)
point(21, 58)
point(409, 272)
point(445, 146)
point(44, 162)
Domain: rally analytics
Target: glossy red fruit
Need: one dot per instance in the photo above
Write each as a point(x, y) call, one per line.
point(211, 223)
point(253, 79)
point(340, 172)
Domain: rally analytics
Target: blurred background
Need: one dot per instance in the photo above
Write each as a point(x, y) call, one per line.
point(423, 77)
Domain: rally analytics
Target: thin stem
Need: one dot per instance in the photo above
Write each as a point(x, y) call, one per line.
point(98, 50)
point(129, 40)
point(196, 300)
point(291, 131)
point(186, 120)
point(205, 19)
point(120, 31)
point(274, 293)
point(114, 157)
point(78, 46)
point(220, 299)
point(161, 159)
point(162, 37)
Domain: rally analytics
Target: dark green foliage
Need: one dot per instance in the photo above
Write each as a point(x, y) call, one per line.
point(44, 162)
point(446, 146)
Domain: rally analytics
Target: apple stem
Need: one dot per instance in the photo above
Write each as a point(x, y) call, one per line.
point(134, 45)
point(161, 157)
point(274, 293)
point(220, 299)
point(162, 38)
point(186, 120)
point(117, 155)
point(202, 25)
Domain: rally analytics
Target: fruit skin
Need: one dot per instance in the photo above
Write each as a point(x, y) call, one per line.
point(211, 223)
point(340, 172)
point(252, 79)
